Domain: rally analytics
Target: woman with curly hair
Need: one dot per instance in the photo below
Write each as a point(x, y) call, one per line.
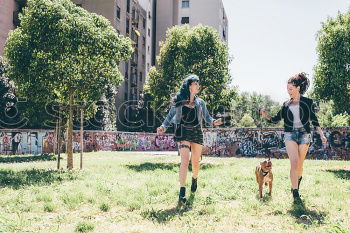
point(297, 114)
point(187, 113)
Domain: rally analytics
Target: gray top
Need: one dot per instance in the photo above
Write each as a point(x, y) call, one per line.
point(294, 108)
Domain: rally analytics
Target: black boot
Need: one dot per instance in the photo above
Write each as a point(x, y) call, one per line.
point(194, 185)
point(299, 181)
point(182, 195)
point(291, 189)
point(296, 196)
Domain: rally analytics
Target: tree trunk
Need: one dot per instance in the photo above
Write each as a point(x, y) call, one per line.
point(55, 141)
point(70, 135)
point(59, 139)
point(81, 137)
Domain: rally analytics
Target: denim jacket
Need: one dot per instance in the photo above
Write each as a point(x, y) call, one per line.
point(175, 114)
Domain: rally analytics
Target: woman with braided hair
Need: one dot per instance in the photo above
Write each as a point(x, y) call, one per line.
point(187, 113)
point(297, 114)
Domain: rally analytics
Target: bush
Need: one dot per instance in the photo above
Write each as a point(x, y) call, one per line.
point(84, 227)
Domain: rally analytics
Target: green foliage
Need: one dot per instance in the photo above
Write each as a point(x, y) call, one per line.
point(332, 79)
point(340, 120)
point(247, 106)
point(247, 121)
point(84, 227)
point(105, 117)
point(105, 207)
point(61, 50)
point(197, 50)
point(328, 118)
point(7, 98)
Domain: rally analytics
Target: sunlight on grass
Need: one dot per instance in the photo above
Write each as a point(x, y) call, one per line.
point(115, 190)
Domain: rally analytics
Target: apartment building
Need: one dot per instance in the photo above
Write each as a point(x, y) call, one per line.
point(9, 10)
point(192, 12)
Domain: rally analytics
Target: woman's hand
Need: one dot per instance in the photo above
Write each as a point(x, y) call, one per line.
point(262, 112)
point(218, 122)
point(320, 132)
point(160, 130)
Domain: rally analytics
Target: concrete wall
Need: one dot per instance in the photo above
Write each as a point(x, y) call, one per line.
point(234, 142)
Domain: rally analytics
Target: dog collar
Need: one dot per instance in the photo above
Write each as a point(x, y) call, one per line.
point(264, 173)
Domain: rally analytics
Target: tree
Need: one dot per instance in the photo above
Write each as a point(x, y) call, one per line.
point(197, 50)
point(8, 116)
point(327, 118)
point(105, 117)
point(65, 55)
point(340, 120)
point(247, 121)
point(249, 104)
point(332, 73)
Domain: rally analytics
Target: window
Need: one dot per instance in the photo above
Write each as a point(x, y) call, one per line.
point(148, 49)
point(143, 60)
point(143, 41)
point(118, 12)
point(126, 96)
point(149, 14)
point(128, 6)
point(127, 25)
point(185, 20)
point(149, 32)
point(133, 14)
point(185, 3)
point(144, 23)
point(140, 76)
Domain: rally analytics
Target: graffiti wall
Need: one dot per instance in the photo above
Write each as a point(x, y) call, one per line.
point(263, 143)
point(235, 142)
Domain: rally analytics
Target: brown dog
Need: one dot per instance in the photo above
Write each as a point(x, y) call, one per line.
point(264, 175)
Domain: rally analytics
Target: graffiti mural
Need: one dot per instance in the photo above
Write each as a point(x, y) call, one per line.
point(234, 142)
point(264, 143)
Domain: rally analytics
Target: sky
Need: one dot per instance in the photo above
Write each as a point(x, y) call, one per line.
point(271, 40)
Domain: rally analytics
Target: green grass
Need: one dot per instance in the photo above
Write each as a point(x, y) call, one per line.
point(137, 192)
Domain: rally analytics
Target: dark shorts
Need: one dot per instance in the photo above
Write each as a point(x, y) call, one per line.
point(189, 133)
point(300, 136)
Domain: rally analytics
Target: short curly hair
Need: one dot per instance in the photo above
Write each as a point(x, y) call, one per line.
point(300, 80)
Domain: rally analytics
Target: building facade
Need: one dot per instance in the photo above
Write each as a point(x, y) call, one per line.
point(133, 19)
point(9, 10)
point(193, 12)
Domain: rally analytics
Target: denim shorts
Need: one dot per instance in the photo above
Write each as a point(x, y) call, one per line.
point(300, 136)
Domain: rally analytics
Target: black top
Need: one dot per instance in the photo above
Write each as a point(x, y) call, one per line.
point(307, 114)
point(189, 116)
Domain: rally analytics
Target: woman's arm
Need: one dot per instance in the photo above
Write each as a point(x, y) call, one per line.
point(270, 119)
point(315, 123)
point(168, 120)
point(206, 115)
point(207, 118)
